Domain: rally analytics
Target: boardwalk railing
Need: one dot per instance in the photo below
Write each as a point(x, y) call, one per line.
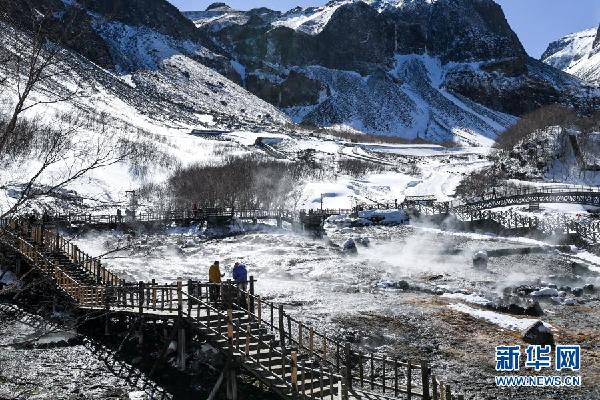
point(292, 358)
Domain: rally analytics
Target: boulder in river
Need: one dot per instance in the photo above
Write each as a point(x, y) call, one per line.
point(578, 292)
point(588, 288)
point(403, 285)
point(545, 292)
point(539, 334)
point(350, 247)
point(480, 259)
point(534, 309)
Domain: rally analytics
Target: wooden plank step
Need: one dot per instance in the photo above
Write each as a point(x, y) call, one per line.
point(316, 392)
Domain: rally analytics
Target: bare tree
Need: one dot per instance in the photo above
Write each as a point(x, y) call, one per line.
point(34, 68)
point(39, 62)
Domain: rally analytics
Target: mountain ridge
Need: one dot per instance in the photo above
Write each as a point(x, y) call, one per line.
point(577, 54)
point(317, 49)
point(443, 70)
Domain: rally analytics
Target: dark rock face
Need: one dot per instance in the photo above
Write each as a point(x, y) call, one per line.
point(358, 37)
point(597, 40)
point(366, 38)
point(295, 90)
point(217, 7)
point(86, 28)
point(67, 25)
point(464, 30)
point(79, 36)
point(159, 15)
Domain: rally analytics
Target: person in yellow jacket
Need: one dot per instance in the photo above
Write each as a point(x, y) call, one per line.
point(214, 276)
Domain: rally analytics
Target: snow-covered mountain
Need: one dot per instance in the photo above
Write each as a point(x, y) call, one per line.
point(578, 54)
point(439, 70)
point(442, 70)
point(149, 56)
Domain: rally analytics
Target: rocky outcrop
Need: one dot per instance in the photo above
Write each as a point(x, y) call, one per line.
point(596, 43)
point(295, 90)
point(464, 53)
point(539, 334)
point(67, 25)
point(158, 15)
point(577, 54)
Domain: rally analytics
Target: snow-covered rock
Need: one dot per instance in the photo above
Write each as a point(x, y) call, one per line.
point(539, 334)
point(414, 69)
point(577, 54)
point(349, 247)
point(545, 292)
point(8, 277)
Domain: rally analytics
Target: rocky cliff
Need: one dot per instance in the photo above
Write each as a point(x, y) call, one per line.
point(434, 69)
point(578, 54)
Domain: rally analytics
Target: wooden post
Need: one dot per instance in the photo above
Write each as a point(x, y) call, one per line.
point(344, 384)
point(434, 388)
point(259, 310)
point(182, 348)
point(348, 369)
point(311, 341)
point(179, 297)
point(251, 303)
point(189, 300)
point(153, 294)
point(294, 370)
point(425, 376)
point(141, 297)
point(281, 326)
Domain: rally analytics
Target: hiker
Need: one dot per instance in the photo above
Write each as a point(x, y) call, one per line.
point(119, 216)
point(494, 192)
point(240, 278)
point(195, 210)
point(214, 277)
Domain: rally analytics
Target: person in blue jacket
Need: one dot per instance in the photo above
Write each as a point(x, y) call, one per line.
point(240, 275)
point(240, 278)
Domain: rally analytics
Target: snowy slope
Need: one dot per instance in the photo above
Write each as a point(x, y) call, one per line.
point(310, 21)
point(576, 55)
point(410, 102)
point(152, 109)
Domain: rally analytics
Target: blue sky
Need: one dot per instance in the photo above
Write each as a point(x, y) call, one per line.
point(537, 22)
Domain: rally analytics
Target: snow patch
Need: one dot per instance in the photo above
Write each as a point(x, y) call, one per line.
point(503, 321)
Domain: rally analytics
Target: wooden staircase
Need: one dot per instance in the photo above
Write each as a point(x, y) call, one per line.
point(289, 357)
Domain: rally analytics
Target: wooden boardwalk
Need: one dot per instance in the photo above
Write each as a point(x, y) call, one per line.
point(286, 355)
point(483, 209)
point(474, 209)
